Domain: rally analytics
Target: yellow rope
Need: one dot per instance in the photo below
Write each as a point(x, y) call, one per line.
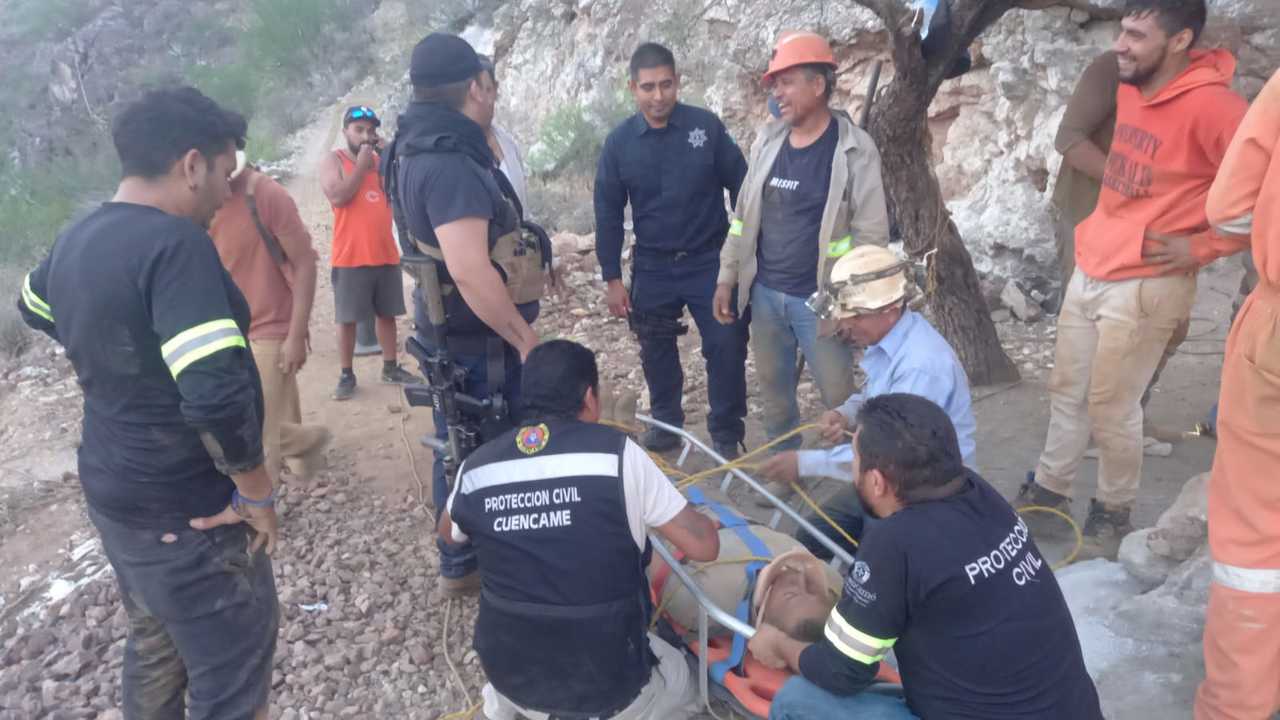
point(741, 462)
point(1074, 527)
point(822, 514)
point(463, 714)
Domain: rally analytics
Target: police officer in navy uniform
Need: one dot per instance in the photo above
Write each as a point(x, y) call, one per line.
point(559, 510)
point(673, 163)
point(456, 206)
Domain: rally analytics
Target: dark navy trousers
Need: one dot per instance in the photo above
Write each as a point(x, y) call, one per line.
point(664, 286)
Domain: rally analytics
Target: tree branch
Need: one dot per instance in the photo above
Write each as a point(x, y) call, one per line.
point(1100, 9)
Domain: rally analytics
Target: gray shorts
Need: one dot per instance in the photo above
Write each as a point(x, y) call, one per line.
point(360, 293)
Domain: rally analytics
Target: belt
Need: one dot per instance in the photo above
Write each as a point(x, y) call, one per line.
point(670, 256)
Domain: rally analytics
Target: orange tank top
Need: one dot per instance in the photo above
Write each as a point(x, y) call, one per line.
point(362, 228)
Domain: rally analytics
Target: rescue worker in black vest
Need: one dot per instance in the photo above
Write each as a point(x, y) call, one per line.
point(171, 457)
point(949, 579)
point(459, 208)
point(673, 163)
point(559, 512)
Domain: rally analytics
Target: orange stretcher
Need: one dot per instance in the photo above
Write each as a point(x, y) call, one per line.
point(748, 685)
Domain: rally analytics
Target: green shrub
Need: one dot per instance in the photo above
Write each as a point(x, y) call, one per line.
point(234, 86)
point(15, 336)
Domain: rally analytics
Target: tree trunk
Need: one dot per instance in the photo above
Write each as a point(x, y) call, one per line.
point(915, 202)
point(899, 128)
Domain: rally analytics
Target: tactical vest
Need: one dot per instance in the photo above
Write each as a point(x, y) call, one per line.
point(564, 608)
point(517, 256)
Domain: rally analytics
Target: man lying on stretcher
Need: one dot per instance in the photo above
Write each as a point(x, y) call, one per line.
point(794, 592)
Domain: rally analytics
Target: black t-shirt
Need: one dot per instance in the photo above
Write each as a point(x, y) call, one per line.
point(960, 592)
point(436, 189)
point(156, 331)
point(795, 195)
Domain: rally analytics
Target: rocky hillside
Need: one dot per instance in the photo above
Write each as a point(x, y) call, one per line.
point(562, 68)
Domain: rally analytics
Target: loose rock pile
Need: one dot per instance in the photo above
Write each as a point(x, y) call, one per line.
point(361, 635)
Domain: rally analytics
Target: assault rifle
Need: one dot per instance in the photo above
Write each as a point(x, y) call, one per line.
point(464, 415)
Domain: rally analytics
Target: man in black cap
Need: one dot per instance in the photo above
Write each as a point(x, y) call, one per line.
point(458, 208)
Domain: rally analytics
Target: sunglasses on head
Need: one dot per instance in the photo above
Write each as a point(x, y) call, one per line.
point(361, 113)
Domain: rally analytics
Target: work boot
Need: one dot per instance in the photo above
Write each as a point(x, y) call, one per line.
point(457, 587)
point(1043, 525)
point(393, 374)
point(1106, 527)
point(730, 450)
point(659, 440)
point(305, 466)
point(346, 386)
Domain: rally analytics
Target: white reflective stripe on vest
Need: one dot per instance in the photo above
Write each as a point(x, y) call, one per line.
point(1254, 580)
point(542, 467)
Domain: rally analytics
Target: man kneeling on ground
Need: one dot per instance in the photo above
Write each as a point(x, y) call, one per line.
point(950, 580)
point(558, 511)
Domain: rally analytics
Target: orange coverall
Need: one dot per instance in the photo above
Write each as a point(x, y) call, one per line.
point(1242, 632)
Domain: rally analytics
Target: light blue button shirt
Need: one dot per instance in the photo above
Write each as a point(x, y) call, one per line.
point(913, 358)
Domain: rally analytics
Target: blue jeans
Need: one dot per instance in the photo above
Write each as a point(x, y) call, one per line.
point(781, 324)
point(663, 287)
point(800, 699)
point(460, 560)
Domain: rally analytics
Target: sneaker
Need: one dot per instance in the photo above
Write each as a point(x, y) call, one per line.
point(659, 440)
point(1043, 525)
point(396, 375)
point(1106, 527)
point(456, 587)
point(346, 387)
point(730, 451)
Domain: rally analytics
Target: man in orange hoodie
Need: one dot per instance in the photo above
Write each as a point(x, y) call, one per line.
point(1242, 635)
point(1136, 259)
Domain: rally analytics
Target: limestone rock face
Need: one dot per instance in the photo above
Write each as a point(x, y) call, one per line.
point(562, 66)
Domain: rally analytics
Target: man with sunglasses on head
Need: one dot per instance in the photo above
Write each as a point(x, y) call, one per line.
point(867, 297)
point(366, 265)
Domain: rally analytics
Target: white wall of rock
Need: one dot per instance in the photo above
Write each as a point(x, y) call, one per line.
point(993, 128)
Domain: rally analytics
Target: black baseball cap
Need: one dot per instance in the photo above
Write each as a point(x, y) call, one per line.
point(443, 59)
point(360, 112)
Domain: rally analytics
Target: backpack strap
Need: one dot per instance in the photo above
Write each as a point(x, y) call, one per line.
point(273, 244)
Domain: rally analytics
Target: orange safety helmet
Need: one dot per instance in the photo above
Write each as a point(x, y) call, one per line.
point(799, 48)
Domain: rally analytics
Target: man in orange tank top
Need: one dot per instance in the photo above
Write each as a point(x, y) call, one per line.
point(366, 264)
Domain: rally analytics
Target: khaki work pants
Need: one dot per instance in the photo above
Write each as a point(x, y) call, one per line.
point(284, 437)
point(1242, 630)
point(1111, 337)
point(670, 695)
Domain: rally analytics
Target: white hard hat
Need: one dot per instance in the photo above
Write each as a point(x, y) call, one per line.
point(867, 279)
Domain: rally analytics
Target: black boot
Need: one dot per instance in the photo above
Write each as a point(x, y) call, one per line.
point(1043, 525)
point(1106, 527)
point(659, 440)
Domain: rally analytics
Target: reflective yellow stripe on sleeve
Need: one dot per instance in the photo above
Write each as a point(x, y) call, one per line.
point(735, 228)
point(34, 302)
point(840, 247)
point(200, 342)
point(853, 643)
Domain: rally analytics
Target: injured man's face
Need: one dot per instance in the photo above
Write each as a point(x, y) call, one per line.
point(793, 594)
